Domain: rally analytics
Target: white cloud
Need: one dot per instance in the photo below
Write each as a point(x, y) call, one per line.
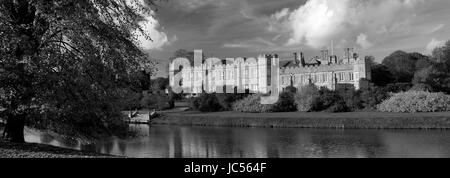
point(363, 42)
point(157, 40)
point(433, 44)
point(152, 37)
point(317, 22)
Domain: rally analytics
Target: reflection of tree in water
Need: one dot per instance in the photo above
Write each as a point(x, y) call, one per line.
point(108, 147)
point(177, 143)
point(122, 146)
point(46, 138)
point(68, 142)
point(94, 147)
point(347, 143)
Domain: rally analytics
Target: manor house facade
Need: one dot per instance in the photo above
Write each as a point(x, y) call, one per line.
point(329, 71)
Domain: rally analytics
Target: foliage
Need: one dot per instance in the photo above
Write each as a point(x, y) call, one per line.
point(437, 76)
point(290, 89)
point(226, 100)
point(286, 102)
point(398, 87)
point(305, 96)
point(329, 101)
point(68, 58)
point(140, 80)
point(252, 104)
point(352, 98)
point(159, 84)
point(422, 87)
point(206, 103)
point(381, 75)
point(373, 96)
point(155, 101)
point(132, 101)
point(403, 65)
point(416, 101)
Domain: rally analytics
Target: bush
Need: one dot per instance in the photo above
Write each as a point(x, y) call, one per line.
point(132, 101)
point(329, 101)
point(226, 100)
point(305, 96)
point(155, 101)
point(416, 101)
point(252, 104)
point(371, 97)
point(353, 99)
point(286, 102)
point(206, 103)
point(422, 87)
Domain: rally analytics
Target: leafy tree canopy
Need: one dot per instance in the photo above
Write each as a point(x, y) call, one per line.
point(403, 65)
point(68, 59)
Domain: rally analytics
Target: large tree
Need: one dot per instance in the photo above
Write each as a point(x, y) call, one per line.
point(68, 61)
point(403, 65)
point(437, 75)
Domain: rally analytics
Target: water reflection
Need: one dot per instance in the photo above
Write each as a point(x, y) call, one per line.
point(202, 142)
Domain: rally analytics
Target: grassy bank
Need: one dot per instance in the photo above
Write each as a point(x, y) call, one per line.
point(351, 120)
point(34, 150)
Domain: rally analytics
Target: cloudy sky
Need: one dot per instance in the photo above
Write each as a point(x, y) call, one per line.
point(246, 28)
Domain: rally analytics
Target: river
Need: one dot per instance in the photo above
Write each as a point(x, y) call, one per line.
point(224, 142)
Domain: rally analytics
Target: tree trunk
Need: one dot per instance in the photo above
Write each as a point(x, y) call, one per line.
point(14, 129)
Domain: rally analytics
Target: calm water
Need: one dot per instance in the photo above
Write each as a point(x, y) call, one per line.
point(213, 142)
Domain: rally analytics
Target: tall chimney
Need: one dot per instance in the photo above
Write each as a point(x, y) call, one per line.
point(302, 59)
point(296, 58)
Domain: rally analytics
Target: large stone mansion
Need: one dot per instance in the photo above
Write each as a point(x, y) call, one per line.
point(327, 70)
point(349, 71)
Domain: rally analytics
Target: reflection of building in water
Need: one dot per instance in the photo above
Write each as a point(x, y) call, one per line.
point(328, 70)
point(254, 74)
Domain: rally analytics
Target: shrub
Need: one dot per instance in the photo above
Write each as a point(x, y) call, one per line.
point(305, 96)
point(194, 103)
point(329, 101)
point(285, 103)
point(252, 104)
point(371, 97)
point(209, 103)
point(421, 87)
point(155, 101)
point(416, 101)
point(132, 101)
point(226, 100)
point(353, 99)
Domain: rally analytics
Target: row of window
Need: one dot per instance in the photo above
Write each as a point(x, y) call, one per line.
point(226, 74)
point(317, 78)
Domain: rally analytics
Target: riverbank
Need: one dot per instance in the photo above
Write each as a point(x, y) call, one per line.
point(350, 120)
point(34, 150)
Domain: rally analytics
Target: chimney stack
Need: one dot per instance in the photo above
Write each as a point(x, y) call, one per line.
point(296, 58)
point(302, 59)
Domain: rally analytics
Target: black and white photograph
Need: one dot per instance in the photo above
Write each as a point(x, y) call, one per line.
point(238, 79)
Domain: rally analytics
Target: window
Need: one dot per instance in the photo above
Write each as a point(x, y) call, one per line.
point(246, 72)
point(324, 78)
point(350, 76)
point(341, 76)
